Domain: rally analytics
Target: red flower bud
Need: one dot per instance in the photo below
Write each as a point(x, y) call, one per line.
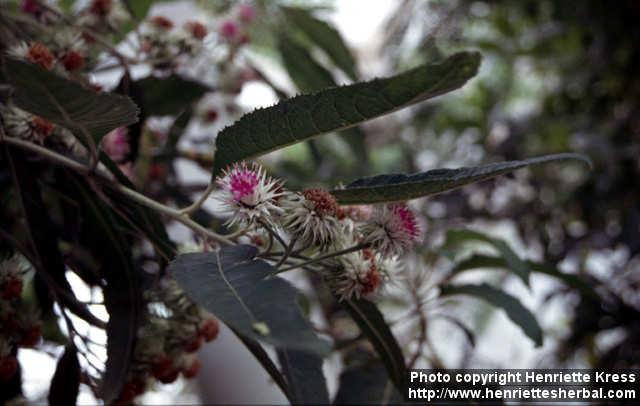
point(192, 369)
point(194, 344)
point(72, 61)
point(40, 55)
point(11, 288)
point(209, 329)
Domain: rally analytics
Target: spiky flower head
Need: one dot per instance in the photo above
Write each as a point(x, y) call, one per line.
point(196, 29)
point(392, 229)
point(248, 194)
point(21, 124)
point(311, 217)
point(357, 275)
point(36, 53)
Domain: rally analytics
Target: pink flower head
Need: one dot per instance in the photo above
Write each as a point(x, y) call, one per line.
point(392, 229)
point(243, 184)
point(246, 13)
point(229, 30)
point(116, 144)
point(248, 194)
point(31, 7)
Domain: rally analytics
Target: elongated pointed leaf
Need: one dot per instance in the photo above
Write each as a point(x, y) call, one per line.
point(304, 375)
point(477, 261)
point(397, 187)
point(374, 327)
point(122, 293)
point(65, 383)
point(325, 37)
point(67, 103)
point(519, 314)
point(310, 76)
point(302, 117)
point(168, 96)
point(235, 286)
point(515, 264)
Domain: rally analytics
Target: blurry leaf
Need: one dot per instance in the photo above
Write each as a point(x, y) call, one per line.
point(310, 76)
point(325, 37)
point(485, 261)
point(263, 358)
point(66, 5)
point(516, 265)
point(467, 332)
point(146, 219)
point(176, 131)
point(49, 95)
point(122, 293)
point(302, 117)
point(367, 385)
point(42, 233)
point(237, 288)
point(66, 380)
point(519, 314)
point(168, 96)
point(374, 327)
point(307, 74)
point(303, 372)
point(396, 187)
point(139, 8)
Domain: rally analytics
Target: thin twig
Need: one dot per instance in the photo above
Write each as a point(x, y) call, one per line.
point(323, 257)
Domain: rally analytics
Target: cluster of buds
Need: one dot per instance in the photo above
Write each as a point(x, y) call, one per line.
point(65, 56)
point(162, 43)
point(365, 238)
point(103, 16)
point(20, 124)
point(19, 327)
point(234, 29)
point(174, 329)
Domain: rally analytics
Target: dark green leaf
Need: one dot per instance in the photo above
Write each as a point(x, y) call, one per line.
point(236, 287)
point(66, 380)
point(515, 264)
point(48, 259)
point(307, 74)
point(519, 314)
point(374, 327)
point(303, 117)
point(325, 37)
point(310, 76)
point(396, 187)
point(477, 261)
point(168, 96)
point(122, 293)
point(139, 8)
point(367, 385)
point(467, 332)
point(67, 103)
point(303, 372)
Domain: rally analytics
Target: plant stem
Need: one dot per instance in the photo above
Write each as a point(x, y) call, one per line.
point(273, 233)
point(323, 257)
point(198, 203)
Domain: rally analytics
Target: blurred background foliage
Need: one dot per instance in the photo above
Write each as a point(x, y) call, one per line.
point(556, 76)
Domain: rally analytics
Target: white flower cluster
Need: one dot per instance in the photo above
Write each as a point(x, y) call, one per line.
point(313, 220)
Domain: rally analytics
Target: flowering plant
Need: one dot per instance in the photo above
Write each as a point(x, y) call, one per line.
point(95, 191)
